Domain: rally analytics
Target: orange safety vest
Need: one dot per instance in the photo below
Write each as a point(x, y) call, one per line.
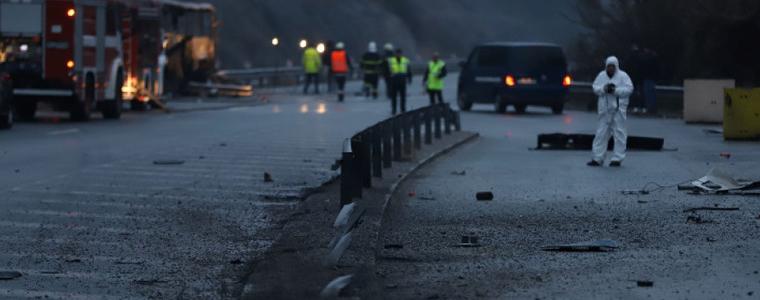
point(339, 61)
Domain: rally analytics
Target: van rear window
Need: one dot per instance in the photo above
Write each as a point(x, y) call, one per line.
point(522, 58)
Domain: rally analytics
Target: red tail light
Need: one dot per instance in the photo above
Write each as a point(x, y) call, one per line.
point(510, 81)
point(567, 81)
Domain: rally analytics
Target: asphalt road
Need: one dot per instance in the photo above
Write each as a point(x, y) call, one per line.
point(86, 213)
point(550, 197)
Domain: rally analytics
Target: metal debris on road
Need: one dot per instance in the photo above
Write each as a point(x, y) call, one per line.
point(268, 177)
point(9, 275)
point(694, 209)
point(718, 182)
point(168, 162)
point(469, 241)
point(590, 246)
point(644, 283)
point(634, 192)
point(698, 220)
point(484, 196)
point(332, 290)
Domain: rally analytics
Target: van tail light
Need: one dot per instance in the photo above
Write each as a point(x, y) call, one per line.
point(510, 81)
point(567, 81)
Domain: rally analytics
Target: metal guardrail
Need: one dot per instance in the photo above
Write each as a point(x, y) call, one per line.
point(367, 153)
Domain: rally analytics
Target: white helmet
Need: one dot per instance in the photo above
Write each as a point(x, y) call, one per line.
point(372, 47)
point(388, 47)
point(340, 46)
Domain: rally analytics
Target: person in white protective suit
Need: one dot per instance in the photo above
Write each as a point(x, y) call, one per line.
point(614, 87)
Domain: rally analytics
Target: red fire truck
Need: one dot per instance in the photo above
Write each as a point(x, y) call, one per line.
point(66, 52)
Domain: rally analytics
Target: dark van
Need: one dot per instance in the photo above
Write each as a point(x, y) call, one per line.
point(518, 74)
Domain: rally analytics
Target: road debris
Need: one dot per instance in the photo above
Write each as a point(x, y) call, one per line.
point(726, 155)
point(718, 182)
point(9, 275)
point(129, 262)
point(394, 246)
point(634, 192)
point(268, 177)
point(459, 173)
point(712, 131)
point(168, 162)
point(412, 194)
point(589, 246)
point(73, 260)
point(696, 219)
point(644, 283)
point(469, 241)
point(149, 281)
point(484, 196)
point(561, 141)
point(427, 198)
point(332, 290)
point(694, 209)
point(236, 261)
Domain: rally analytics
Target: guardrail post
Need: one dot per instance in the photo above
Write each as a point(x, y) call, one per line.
point(364, 163)
point(437, 121)
point(406, 121)
point(348, 175)
point(396, 138)
point(377, 152)
point(417, 130)
point(428, 126)
point(387, 132)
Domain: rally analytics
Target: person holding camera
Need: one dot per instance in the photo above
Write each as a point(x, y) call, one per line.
point(614, 87)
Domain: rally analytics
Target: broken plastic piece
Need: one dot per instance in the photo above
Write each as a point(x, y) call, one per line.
point(168, 162)
point(590, 246)
point(717, 181)
point(484, 196)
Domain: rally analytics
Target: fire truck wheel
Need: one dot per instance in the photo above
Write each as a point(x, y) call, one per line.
point(25, 108)
point(112, 109)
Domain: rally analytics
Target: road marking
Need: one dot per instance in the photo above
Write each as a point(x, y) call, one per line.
point(64, 131)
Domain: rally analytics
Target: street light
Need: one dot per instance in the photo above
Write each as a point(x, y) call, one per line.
point(275, 41)
point(321, 48)
point(303, 44)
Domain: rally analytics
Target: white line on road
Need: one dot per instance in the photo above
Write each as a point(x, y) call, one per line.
point(64, 131)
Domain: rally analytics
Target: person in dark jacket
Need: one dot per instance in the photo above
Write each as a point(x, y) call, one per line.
point(370, 64)
point(387, 54)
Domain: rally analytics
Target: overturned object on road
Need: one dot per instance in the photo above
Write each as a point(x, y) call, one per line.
point(590, 246)
point(577, 141)
point(717, 181)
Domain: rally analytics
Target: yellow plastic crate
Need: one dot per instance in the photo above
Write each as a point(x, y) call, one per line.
point(741, 114)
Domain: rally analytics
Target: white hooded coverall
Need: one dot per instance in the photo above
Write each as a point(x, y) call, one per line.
point(612, 111)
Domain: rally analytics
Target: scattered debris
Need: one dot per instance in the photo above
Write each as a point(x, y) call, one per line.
point(333, 289)
point(711, 240)
point(73, 260)
point(236, 261)
point(394, 246)
point(459, 173)
point(9, 275)
point(149, 281)
point(590, 246)
point(484, 196)
point(726, 155)
point(469, 241)
point(713, 131)
point(694, 209)
point(642, 202)
point(718, 182)
point(561, 141)
point(635, 192)
point(222, 144)
point(427, 198)
point(168, 162)
point(644, 283)
point(268, 177)
point(698, 220)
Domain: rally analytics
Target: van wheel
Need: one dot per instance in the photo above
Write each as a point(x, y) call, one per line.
point(520, 108)
point(463, 103)
point(6, 119)
point(25, 108)
point(557, 109)
point(81, 109)
point(500, 106)
point(112, 109)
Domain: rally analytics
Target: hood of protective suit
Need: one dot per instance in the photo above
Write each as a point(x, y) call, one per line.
point(613, 61)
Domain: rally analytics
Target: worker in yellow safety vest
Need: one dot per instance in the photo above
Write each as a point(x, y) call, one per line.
point(433, 79)
point(312, 64)
point(401, 74)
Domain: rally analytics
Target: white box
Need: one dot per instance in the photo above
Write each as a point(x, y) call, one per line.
point(703, 99)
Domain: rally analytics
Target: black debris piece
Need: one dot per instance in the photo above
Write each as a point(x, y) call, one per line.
point(562, 141)
point(394, 246)
point(634, 192)
point(644, 283)
point(268, 177)
point(590, 246)
point(698, 220)
point(469, 241)
point(168, 162)
point(73, 260)
point(484, 196)
point(236, 261)
point(149, 281)
point(9, 275)
point(694, 209)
